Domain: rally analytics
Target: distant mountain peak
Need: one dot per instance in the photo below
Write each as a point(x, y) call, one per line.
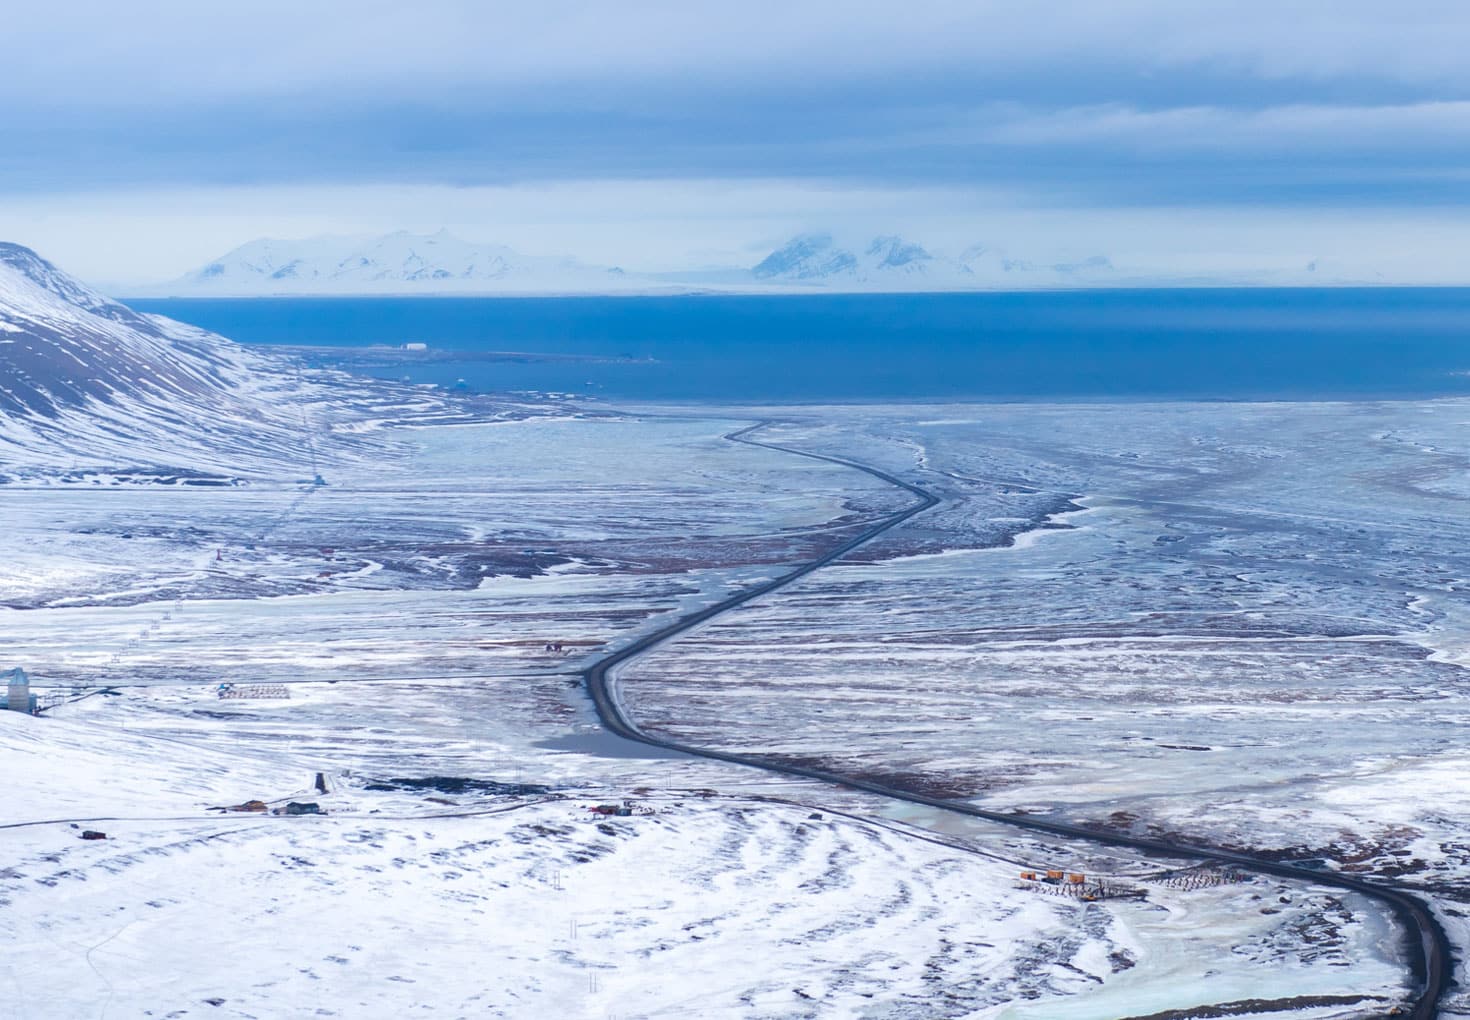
point(402, 262)
point(817, 258)
point(893, 252)
point(892, 262)
point(806, 257)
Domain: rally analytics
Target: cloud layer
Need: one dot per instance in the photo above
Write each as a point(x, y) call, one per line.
point(1346, 105)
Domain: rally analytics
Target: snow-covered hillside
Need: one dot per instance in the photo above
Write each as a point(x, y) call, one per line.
point(398, 263)
point(92, 387)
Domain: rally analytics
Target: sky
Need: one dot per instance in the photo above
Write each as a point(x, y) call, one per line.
point(141, 140)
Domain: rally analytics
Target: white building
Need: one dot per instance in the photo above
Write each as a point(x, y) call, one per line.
point(18, 691)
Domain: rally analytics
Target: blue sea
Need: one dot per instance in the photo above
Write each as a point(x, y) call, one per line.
point(1072, 346)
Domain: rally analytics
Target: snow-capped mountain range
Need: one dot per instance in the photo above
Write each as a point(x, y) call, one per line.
point(817, 258)
point(893, 263)
point(89, 384)
point(405, 263)
point(399, 263)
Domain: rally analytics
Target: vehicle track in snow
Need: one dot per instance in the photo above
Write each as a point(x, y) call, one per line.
point(1426, 948)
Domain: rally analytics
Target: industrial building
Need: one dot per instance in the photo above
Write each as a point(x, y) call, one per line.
point(18, 696)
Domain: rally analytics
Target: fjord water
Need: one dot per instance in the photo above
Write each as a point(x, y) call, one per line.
point(1112, 345)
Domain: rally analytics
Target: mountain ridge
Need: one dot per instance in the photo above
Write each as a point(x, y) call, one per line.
point(403, 263)
point(91, 384)
point(400, 262)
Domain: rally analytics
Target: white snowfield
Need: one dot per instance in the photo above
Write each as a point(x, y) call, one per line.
point(713, 900)
point(531, 907)
point(413, 631)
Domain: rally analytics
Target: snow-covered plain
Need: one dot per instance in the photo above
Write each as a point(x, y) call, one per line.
point(1244, 623)
point(455, 560)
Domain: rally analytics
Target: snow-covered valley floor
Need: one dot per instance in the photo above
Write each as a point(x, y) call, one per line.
point(408, 605)
point(1244, 624)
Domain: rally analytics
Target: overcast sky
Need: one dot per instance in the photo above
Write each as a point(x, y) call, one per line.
point(140, 140)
